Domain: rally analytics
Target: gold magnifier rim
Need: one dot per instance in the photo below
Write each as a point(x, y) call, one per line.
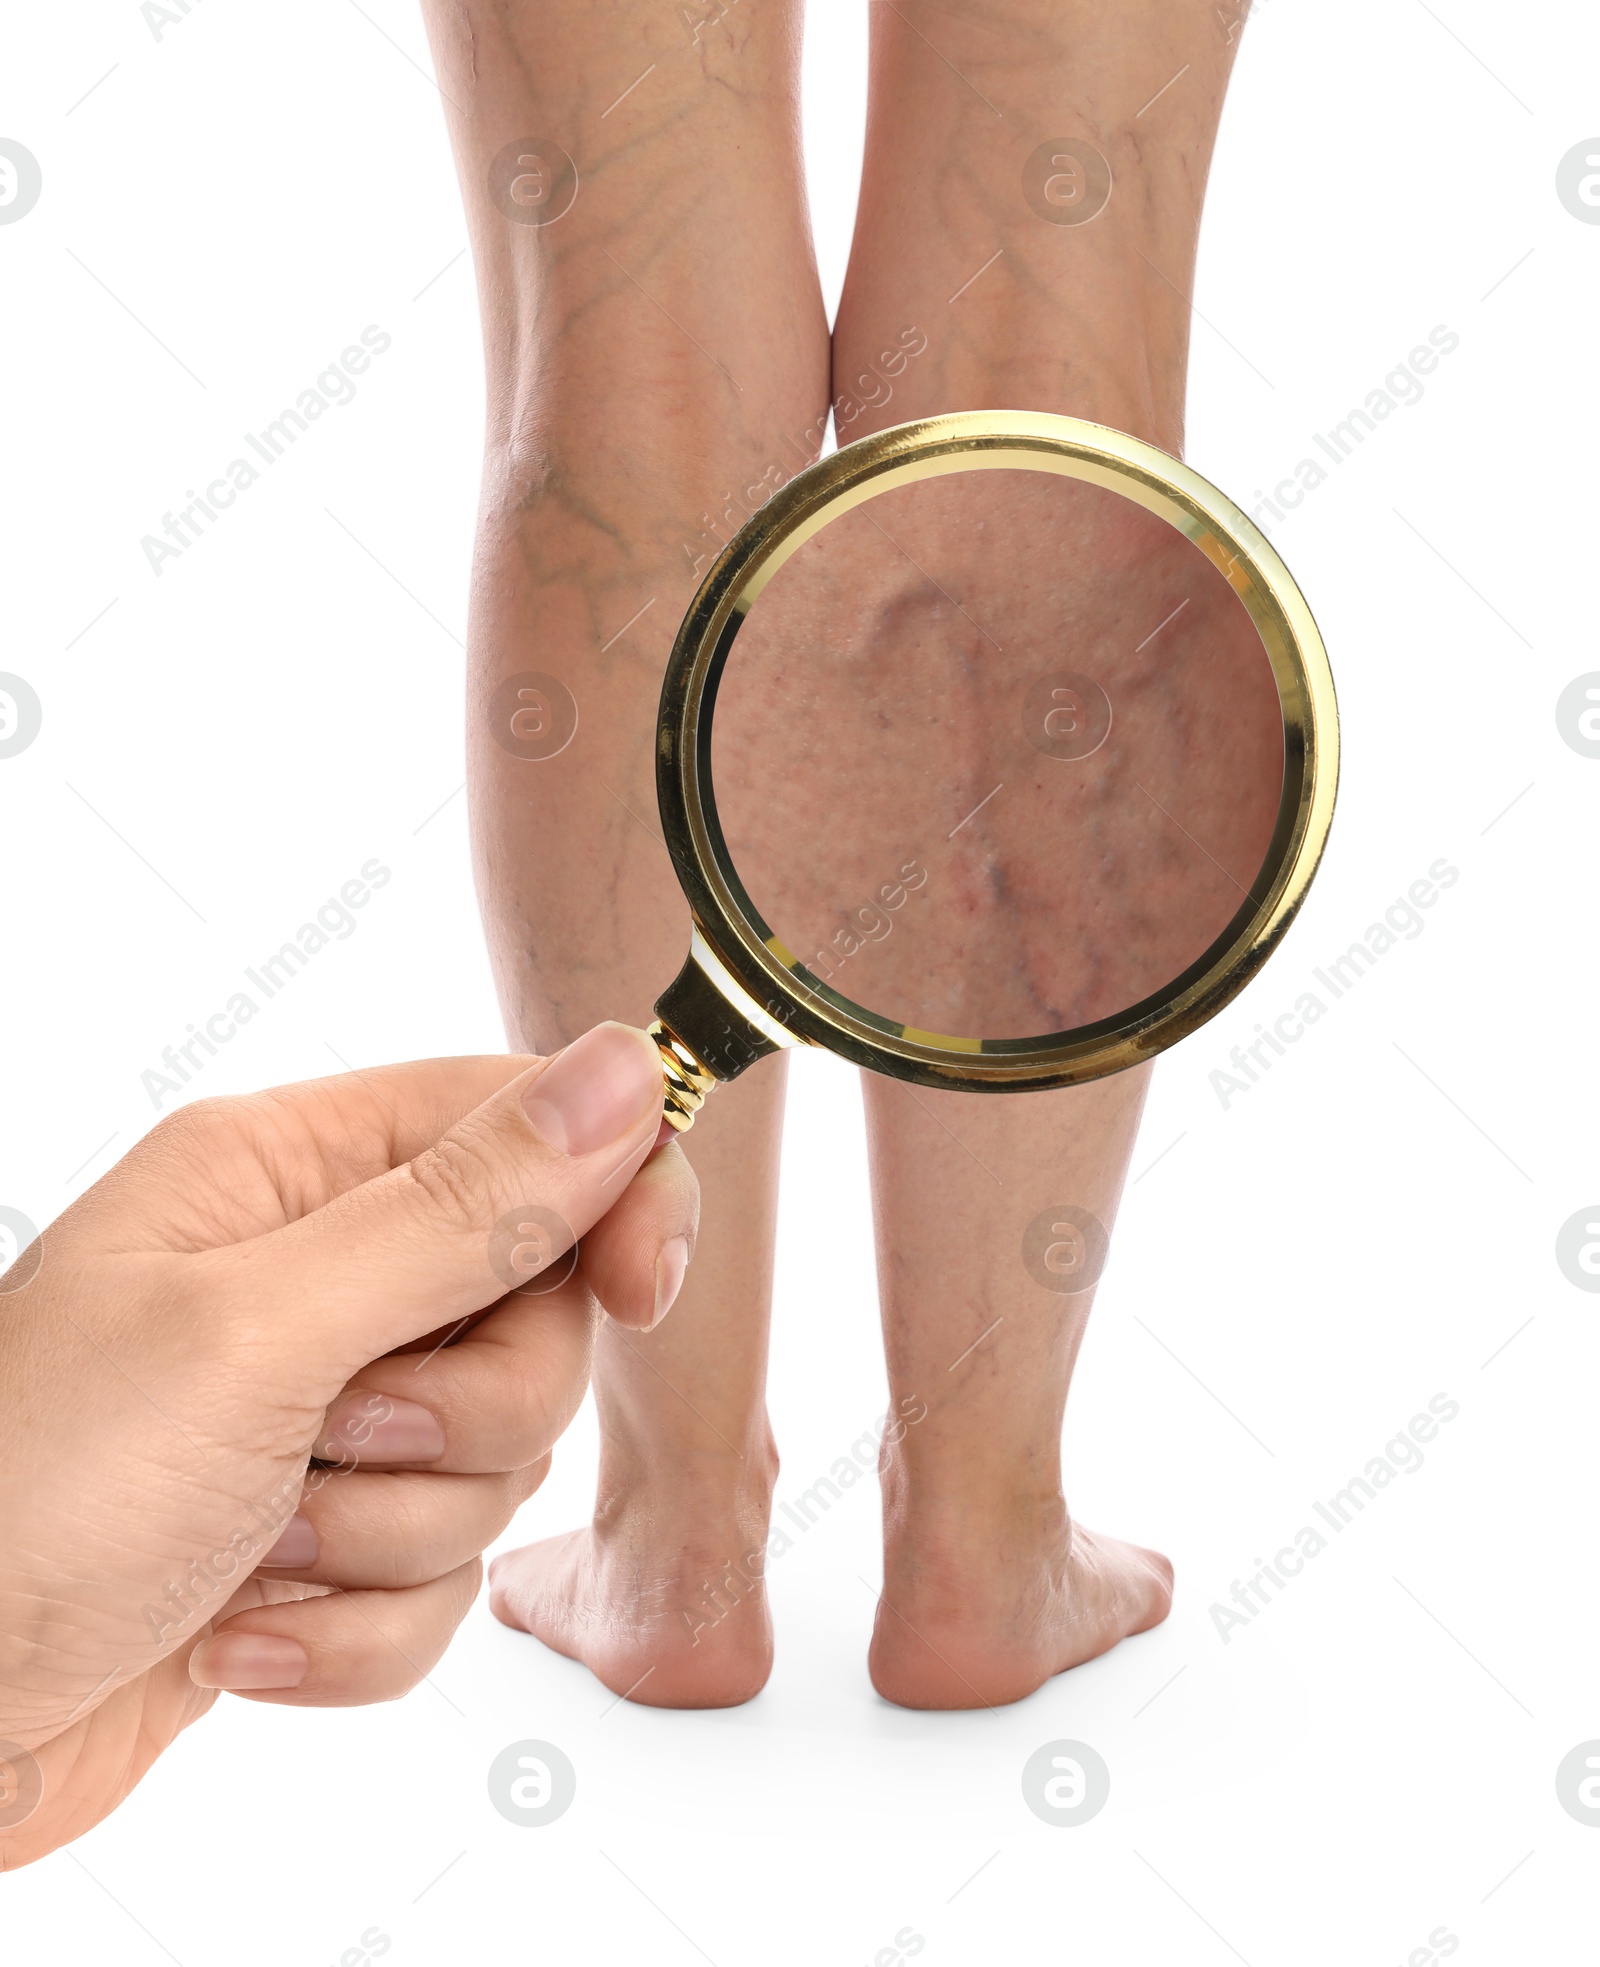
point(776, 989)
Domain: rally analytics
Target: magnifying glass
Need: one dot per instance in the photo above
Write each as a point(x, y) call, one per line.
point(996, 752)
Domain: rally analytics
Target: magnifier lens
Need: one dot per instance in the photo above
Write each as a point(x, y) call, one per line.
point(998, 755)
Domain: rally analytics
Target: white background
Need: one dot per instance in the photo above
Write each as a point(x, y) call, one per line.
point(1372, 1225)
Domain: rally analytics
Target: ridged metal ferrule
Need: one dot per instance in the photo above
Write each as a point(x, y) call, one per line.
point(687, 1079)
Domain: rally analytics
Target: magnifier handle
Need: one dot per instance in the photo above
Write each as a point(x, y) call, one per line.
point(687, 1080)
point(703, 1034)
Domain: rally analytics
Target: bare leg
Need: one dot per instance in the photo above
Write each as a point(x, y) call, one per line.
point(655, 353)
point(990, 1587)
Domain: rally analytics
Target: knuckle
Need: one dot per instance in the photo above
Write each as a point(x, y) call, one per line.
point(401, 1556)
point(545, 1390)
point(530, 1417)
point(451, 1175)
point(386, 1677)
point(467, 1580)
point(522, 1483)
point(195, 1125)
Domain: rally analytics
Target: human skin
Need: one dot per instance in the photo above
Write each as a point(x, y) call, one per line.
point(990, 1585)
point(648, 357)
point(312, 1272)
point(651, 356)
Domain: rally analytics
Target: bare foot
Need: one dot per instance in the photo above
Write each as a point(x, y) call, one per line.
point(982, 1612)
point(661, 1604)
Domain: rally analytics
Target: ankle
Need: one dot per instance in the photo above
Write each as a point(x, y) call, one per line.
point(933, 1510)
point(718, 1485)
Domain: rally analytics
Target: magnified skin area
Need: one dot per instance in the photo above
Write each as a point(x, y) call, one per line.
point(884, 709)
point(652, 358)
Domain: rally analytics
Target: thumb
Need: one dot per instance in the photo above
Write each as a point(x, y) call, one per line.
point(505, 1192)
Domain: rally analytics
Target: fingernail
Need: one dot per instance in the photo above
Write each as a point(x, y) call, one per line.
point(296, 1548)
point(599, 1088)
point(240, 1661)
point(672, 1262)
point(372, 1427)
